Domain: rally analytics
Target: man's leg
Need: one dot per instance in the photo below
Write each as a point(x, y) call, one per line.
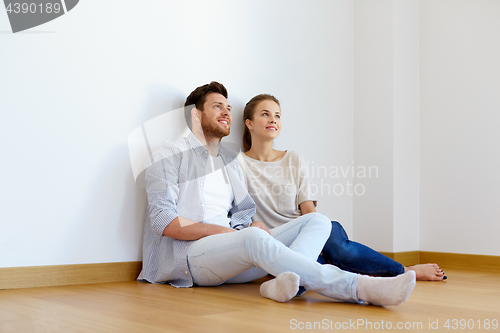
point(216, 259)
point(296, 235)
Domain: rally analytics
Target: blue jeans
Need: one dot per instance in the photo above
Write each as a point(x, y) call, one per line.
point(251, 253)
point(355, 257)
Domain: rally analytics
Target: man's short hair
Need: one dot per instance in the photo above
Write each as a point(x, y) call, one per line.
point(197, 98)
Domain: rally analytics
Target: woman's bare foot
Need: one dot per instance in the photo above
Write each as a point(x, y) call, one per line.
point(427, 272)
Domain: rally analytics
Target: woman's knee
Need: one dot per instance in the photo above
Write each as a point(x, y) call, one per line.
point(338, 230)
point(338, 241)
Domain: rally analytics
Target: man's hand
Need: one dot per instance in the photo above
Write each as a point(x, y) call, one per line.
point(260, 225)
point(217, 229)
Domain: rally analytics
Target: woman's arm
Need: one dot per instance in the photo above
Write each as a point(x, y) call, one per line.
point(307, 207)
point(260, 225)
point(307, 201)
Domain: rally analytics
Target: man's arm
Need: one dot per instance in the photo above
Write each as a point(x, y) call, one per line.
point(162, 188)
point(185, 229)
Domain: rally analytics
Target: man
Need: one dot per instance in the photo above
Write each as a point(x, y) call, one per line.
point(198, 229)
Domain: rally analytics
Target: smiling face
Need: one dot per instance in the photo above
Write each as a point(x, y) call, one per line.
point(216, 116)
point(266, 122)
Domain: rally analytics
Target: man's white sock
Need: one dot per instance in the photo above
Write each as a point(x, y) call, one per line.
point(281, 289)
point(386, 291)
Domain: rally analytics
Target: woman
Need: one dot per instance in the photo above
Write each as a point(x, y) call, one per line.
point(278, 183)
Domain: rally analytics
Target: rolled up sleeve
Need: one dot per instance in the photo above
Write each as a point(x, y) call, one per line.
point(162, 190)
point(241, 213)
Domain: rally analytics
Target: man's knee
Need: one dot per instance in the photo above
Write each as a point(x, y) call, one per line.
point(321, 219)
point(254, 232)
point(252, 235)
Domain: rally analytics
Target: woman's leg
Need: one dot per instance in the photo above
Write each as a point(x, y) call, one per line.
point(355, 257)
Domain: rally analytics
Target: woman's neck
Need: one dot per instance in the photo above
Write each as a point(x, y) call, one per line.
point(263, 151)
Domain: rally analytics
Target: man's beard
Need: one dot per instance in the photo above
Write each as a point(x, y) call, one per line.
point(211, 130)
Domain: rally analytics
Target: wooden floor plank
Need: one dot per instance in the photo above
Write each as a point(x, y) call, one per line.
point(471, 296)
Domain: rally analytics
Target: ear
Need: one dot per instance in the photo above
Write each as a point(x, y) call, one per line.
point(248, 123)
point(194, 114)
point(195, 117)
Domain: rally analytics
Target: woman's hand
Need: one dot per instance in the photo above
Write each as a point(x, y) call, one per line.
point(260, 225)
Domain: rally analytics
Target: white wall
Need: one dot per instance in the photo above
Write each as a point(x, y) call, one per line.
point(426, 82)
point(72, 90)
point(406, 126)
point(386, 67)
point(459, 126)
point(373, 121)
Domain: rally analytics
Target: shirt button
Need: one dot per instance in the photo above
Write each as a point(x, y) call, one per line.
point(185, 272)
point(201, 184)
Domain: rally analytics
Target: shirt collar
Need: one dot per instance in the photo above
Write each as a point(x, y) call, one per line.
point(200, 149)
point(197, 146)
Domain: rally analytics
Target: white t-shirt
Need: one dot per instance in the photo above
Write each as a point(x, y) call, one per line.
point(218, 193)
point(278, 187)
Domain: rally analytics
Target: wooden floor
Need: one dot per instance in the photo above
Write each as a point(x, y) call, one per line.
point(469, 297)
